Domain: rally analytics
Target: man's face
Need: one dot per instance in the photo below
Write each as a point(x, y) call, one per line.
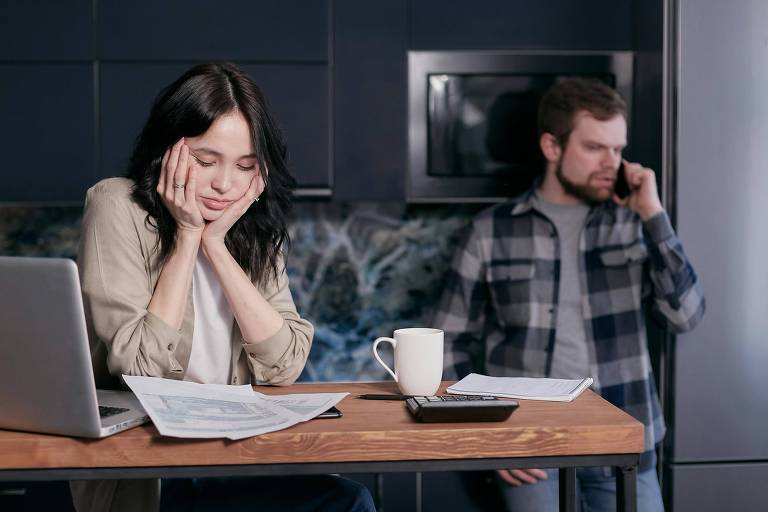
point(588, 164)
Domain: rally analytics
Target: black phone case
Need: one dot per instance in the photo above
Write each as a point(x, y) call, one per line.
point(621, 187)
point(333, 412)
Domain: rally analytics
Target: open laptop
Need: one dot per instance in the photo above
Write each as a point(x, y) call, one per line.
point(46, 378)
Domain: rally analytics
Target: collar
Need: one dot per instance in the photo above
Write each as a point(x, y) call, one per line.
point(525, 203)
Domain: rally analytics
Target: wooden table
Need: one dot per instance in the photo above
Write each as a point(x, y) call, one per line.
point(372, 436)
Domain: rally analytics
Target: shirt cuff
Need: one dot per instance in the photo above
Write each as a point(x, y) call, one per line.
point(272, 349)
point(167, 339)
point(659, 227)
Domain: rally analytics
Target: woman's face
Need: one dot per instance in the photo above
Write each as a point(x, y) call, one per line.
point(225, 162)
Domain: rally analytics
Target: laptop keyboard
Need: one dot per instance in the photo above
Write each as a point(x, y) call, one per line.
point(106, 412)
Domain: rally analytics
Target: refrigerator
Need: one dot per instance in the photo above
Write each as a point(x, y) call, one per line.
point(716, 166)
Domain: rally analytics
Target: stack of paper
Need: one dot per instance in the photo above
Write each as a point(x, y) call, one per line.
point(525, 388)
point(188, 409)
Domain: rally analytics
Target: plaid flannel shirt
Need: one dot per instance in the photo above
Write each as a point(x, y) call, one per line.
point(499, 305)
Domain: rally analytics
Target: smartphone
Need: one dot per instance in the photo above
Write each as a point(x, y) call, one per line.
point(333, 412)
point(621, 187)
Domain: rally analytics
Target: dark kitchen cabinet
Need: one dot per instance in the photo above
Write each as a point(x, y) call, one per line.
point(369, 100)
point(75, 91)
point(48, 137)
point(46, 100)
point(283, 46)
point(126, 94)
point(520, 24)
point(240, 30)
point(334, 71)
point(296, 93)
point(46, 30)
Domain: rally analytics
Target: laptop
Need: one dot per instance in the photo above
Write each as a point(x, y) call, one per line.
point(46, 378)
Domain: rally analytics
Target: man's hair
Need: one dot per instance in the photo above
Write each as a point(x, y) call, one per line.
point(561, 103)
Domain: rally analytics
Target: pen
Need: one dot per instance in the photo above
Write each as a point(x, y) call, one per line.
point(384, 397)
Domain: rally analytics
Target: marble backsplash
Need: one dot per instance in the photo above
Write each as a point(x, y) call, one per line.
point(357, 271)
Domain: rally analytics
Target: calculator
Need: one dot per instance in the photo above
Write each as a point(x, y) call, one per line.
point(454, 408)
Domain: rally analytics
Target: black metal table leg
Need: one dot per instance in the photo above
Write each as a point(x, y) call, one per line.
point(378, 491)
point(568, 489)
point(626, 489)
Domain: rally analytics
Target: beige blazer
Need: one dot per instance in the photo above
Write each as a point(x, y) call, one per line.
point(118, 273)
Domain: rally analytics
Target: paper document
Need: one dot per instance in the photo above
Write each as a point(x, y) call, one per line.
point(525, 388)
point(188, 409)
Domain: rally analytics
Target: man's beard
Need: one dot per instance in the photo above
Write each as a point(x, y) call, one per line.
point(585, 193)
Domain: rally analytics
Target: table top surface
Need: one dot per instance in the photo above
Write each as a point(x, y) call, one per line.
point(369, 430)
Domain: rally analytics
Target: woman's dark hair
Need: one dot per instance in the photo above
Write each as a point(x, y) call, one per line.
point(187, 108)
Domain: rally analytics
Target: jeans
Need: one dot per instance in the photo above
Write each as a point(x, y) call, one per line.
point(595, 491)
point(326, 493)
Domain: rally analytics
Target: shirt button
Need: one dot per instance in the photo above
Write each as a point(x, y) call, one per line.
point(170, 346)
point(234, 380)
point(551, 310)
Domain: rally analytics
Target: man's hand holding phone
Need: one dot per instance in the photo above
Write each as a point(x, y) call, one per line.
point(638, 191)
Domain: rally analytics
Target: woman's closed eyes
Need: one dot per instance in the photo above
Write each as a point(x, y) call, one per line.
point(204, 163)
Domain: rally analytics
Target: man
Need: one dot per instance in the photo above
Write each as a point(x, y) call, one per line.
point(556, 283)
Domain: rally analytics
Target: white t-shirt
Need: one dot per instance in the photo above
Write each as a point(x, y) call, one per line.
point(211, 359)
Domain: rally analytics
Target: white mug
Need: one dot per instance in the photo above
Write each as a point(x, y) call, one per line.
point(418, 360)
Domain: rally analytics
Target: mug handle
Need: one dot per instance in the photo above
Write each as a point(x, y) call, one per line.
point(376, 354)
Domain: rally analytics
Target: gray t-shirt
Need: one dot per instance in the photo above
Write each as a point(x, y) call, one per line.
point(571, 356)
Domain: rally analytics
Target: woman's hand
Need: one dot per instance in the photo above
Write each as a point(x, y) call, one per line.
point(216, 230)
point(177, 186)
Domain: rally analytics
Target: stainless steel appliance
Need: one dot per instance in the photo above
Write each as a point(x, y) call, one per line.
point(718, 128)
point(472, 117)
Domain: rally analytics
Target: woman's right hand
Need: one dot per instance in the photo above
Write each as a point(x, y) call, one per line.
point(177, 188)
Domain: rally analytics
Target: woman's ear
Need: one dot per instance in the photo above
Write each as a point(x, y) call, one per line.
point(550, 147)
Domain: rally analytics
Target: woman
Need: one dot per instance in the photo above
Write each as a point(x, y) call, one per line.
point(183, 275)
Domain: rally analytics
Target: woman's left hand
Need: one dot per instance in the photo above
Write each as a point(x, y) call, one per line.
point(216, 230)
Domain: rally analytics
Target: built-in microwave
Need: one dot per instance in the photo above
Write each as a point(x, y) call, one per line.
point(472, 117)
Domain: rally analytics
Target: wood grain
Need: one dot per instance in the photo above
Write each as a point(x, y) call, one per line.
point(368, 431)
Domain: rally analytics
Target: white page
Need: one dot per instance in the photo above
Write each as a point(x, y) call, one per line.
point(192, 410)
point(526, 388)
